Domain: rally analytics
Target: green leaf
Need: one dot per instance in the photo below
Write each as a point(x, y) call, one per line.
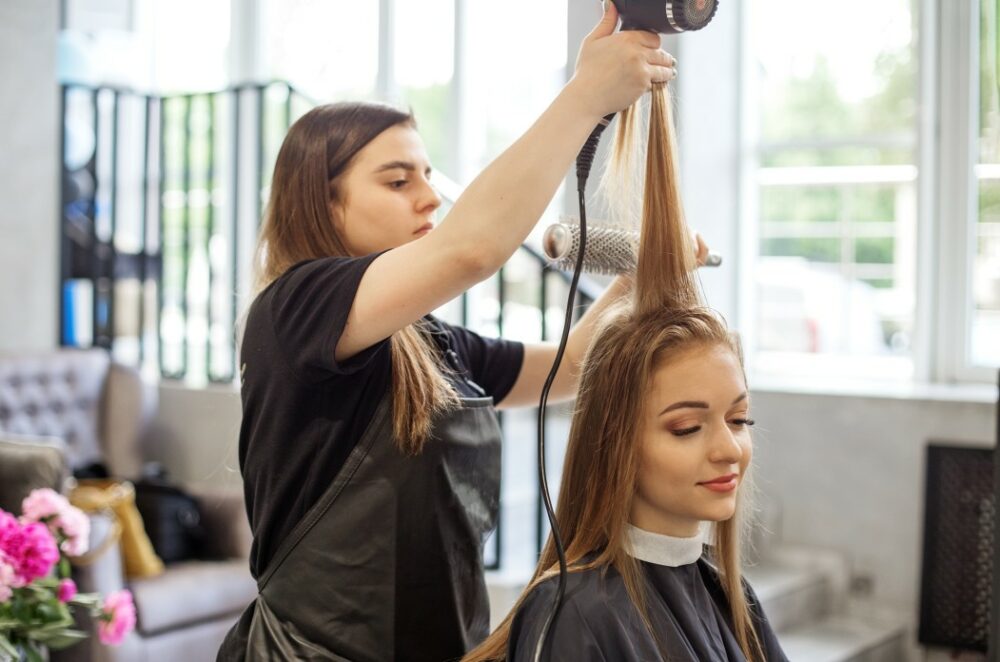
point(47, 612)
point(86, 600)
point(55, 625)
point(63, 638)
point(8, 648)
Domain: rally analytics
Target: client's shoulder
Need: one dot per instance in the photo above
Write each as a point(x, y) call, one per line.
point(589, 591)
point(596, 615)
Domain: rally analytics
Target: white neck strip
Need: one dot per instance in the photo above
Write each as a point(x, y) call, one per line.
point(664, 550)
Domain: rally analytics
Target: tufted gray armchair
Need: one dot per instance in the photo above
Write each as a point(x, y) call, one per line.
point(86, 408)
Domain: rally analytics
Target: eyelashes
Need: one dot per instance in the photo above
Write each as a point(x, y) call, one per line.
point(684, 432)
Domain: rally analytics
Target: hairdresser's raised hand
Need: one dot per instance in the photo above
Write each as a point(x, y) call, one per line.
point(614, 69)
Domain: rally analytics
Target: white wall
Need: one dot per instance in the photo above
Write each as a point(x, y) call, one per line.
point(847, 473)
point(29, 174)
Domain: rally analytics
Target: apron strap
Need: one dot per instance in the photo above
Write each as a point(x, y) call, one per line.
point(376, 427)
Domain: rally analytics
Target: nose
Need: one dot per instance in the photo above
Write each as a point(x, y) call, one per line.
point(428, 200)
point(725, 447)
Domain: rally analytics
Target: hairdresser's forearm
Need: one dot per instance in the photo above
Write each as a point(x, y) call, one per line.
point(500, 207)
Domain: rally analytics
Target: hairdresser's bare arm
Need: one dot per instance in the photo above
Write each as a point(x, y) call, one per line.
point(538, 357)
point(501, 206)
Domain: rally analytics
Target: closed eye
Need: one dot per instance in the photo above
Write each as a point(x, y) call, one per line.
point(685, 431)
point(742, 422)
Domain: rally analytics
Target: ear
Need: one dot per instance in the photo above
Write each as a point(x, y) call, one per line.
point(335, 210)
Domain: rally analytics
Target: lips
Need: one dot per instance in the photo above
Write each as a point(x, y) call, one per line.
point(426, 227)
point(725, 483)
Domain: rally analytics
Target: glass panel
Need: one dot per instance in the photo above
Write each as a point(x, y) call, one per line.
point(424, 52)
point(190, 44)
point(507, 93)
point(327, 49)
point(836, 186)
point(985, 327)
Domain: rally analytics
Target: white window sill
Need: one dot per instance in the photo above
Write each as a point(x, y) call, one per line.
point(903, 390)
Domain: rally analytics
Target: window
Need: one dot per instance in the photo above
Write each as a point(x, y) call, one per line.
point(423, 73)
point(327, 50)
point(189, 42)
point(504, 95)
point(984, 322)
point(835, 186)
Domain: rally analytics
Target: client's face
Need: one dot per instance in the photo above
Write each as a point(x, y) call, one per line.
point(695, 443)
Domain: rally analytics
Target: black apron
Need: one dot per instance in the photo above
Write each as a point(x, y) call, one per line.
point(387, 565)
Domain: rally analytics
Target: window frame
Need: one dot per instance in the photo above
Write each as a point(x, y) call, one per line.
point(958, 187)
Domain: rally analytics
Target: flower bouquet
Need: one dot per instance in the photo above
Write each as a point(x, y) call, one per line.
point(37, 595)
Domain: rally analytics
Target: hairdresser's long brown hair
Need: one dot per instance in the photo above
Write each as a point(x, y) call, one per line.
point(319, 149)
point(664, 320)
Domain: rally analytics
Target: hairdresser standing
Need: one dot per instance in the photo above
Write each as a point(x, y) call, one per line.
point(369, 445)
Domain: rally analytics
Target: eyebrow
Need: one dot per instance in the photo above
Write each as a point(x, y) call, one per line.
point(697, 404)
point(409, 166)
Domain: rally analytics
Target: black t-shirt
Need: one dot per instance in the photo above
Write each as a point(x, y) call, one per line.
point(303, 411)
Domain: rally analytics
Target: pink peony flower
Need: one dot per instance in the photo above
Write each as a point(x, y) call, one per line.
point(64, 520)
point(118, 617)
point(42, 503)
point(74, 525)
point(67, 589)
point(8, 579)
point(9, 528)
point(33, 551)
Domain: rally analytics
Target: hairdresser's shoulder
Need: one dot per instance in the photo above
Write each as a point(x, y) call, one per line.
point(323, 271)
point(320, 266)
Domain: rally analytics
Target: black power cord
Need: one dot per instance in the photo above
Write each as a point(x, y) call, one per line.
point(584, 161)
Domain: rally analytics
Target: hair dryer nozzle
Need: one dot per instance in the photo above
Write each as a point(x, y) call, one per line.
point(666, 16)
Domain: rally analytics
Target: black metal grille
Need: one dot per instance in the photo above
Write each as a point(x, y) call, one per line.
point(155, 216)
point(956, 588)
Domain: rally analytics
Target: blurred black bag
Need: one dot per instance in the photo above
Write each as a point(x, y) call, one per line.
point(172, 519)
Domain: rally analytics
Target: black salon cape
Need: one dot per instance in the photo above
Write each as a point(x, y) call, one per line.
point(598, 620)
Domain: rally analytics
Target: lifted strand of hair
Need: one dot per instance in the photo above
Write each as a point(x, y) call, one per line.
point(665, 270)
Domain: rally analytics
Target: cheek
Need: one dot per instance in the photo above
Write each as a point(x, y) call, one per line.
point(662, 472)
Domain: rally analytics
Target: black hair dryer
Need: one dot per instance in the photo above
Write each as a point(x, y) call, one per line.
point(666, 16)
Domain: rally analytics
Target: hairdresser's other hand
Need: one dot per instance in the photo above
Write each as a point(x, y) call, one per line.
point(700, 249)
point(614, 69)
